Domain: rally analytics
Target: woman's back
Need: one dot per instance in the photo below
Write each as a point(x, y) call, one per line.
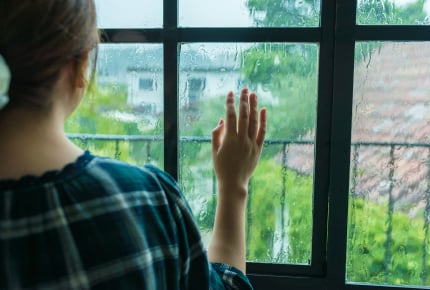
point(100, 224)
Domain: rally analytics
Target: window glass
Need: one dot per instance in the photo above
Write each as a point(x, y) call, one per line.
point(245, 13)
point(389, 204)
point(284, 76)
point(129, 13)
point(393, 12)
point(121, 116)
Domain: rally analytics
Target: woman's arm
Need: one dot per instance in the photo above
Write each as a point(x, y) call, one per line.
point(235, 156)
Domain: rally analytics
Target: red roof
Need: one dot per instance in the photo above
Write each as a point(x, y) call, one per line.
point(391, 104)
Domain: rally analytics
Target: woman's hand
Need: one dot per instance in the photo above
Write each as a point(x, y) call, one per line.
point(236, 154)
point(235, 157)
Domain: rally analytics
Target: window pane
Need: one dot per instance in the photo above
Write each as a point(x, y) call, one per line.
point(393, 12)
point(284, 76)
point(129, 13)
point(245, 13)
point(122, 116)
point(389, 215)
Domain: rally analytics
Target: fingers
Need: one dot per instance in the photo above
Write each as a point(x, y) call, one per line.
point(217, 136)
point(230, 119)
point(251, 124)
point(253, 116)
point(262, 129)
point(243, 114)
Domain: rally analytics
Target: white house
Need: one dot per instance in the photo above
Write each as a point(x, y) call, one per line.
point(201, 75)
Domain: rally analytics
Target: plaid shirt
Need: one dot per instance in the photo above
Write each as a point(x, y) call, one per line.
point(103, 224)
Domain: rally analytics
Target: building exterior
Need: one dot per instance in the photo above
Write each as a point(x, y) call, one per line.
point(390, 134)
point(140, 69)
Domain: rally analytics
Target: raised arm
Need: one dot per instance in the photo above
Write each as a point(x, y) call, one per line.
point(235, 156)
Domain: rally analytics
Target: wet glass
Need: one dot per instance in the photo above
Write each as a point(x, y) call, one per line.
point(121, 116)
point(129, 13)
point(249, 13)
point(389, 201)
point(284, 77)
point(393, 12)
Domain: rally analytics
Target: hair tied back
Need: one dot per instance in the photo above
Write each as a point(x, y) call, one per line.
point(4, 82)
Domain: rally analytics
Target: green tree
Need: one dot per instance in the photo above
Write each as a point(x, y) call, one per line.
point(289, 73)
point(104, 110)
point(376, 12)
point(414, 13)
point(284, 13)
point(367, 247)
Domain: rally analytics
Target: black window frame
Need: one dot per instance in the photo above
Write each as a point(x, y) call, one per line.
point(336, 37)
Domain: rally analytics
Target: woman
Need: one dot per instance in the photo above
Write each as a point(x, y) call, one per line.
point(72, 220)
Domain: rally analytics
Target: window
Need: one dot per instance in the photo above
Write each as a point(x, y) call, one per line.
point(340, 199)
point(146, 84)
point(389, 205)
point(213, 69)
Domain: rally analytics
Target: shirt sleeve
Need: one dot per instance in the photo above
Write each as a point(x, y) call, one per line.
point(224, 276)
point(198, 272)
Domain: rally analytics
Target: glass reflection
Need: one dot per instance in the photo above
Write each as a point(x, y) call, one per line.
point(284, 76)
point(389, 215)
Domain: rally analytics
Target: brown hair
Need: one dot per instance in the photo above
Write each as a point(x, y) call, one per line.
point(39, 37)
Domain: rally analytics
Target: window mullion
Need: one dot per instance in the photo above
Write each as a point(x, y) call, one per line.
point(322, 139)
point(171, 134)
point(340, 142)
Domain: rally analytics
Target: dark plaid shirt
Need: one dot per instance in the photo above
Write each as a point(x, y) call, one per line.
point(103, 224)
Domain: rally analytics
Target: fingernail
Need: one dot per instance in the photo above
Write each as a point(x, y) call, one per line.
point(244, 90)
point(230, 94)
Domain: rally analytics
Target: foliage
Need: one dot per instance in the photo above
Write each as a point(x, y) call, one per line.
point(367, 246)
point(284, 13)
point(364, 51)
point(265, 61)
point(413, 13)
point(277, 192)
point(268, 241)
point(195, 156)
point(368, 249)
point(93, 115)
point(294, 116)
point(97, 114)
point(288, 72)
point(291, 13)
point(377, 12)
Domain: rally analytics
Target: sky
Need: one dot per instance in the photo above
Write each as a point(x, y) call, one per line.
point(206, 13)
